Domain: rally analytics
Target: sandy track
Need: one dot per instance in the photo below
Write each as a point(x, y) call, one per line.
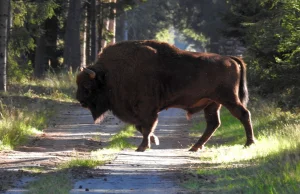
point(153, 171)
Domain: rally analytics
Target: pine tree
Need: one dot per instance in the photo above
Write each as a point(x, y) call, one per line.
point(4, 16)
point(72, 54)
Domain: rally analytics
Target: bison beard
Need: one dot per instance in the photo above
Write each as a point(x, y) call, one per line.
point(138, 79)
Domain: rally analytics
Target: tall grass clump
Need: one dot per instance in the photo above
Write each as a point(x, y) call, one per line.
point(272, 165)
point(27, 106)
point(17, 125)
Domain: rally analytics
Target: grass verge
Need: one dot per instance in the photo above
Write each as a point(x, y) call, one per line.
point(270, 166)
point(26, 108)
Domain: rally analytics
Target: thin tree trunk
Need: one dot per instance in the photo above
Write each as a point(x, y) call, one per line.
point(93, 30)
point(72, 56)
point(100, 26)
point(122, 29)
point(88, 35)
point(125, 37)
point(39, 61)
point(4, 18)
point(84, 43)
point(51, 26)
point(112, 22)
point(105, 28)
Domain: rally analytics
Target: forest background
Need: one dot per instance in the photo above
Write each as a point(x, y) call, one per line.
point(44, 42)
point(54, 37)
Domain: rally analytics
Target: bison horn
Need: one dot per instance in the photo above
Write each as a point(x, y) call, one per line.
point(88, 71)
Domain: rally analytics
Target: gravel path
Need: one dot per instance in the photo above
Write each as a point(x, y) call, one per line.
point(72, 132)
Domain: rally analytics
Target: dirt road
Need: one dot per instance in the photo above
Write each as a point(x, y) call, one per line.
point(72, 133)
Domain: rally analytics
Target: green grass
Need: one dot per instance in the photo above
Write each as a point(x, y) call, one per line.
point(51, 183)
point(26, 108)
point(16, 125)
point(34, 170)
point(272, 165)
point(59, 87)
point(82, 163)
point(119, 141)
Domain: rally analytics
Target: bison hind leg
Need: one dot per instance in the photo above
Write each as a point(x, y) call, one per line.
point(243, 114)
point(212, 117)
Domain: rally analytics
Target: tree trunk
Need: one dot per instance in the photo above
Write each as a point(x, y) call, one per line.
point(88, 35)
point(4, 17)
point(100, 26)
point(72, 57)
point(105, 30)
point(84, 42)
point(93, 30)
point(122, 28)
point(39, 61)
point(125, 27)
point(105, 27)
point(112, 22)
point(51, 26)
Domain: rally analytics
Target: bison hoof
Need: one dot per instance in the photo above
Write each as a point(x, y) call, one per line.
point(193, 149)
point(141, 149)
point(154, 140)
point(249, 143)
point(196, 148)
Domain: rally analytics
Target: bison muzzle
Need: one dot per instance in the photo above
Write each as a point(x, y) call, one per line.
point(138, 79)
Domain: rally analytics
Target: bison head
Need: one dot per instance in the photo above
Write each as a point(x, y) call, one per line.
point(92, 93)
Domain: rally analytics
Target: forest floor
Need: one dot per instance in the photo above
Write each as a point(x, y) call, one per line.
point(72, 134)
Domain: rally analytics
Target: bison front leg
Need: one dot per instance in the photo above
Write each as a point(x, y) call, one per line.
point(153, 138)
point(147, 131)
point(212, 117)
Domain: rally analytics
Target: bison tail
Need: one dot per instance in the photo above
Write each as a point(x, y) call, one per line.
point(243, 89)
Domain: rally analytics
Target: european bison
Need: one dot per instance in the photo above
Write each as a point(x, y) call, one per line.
point(138, 79)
